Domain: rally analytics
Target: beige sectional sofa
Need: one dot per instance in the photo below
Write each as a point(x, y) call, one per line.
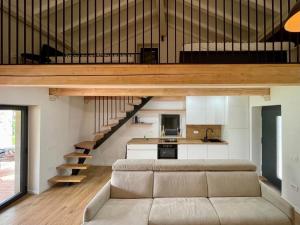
point(187, 192)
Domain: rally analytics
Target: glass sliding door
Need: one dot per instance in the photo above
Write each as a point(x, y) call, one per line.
point(13, 153)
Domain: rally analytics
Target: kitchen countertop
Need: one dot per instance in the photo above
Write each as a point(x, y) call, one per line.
point(139, 141)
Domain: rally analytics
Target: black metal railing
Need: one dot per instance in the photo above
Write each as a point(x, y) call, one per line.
point(146, 31)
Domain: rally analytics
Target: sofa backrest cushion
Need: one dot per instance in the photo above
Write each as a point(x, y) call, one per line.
point(233, 184)
point(179, 184)
point(132, 184)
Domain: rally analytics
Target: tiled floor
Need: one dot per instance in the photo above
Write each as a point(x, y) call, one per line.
point(7, 175)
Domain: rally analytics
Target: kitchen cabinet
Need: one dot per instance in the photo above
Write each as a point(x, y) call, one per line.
point(141, 151)
point(185, 151)
point(197, 151)
point(182, 152)
point(201, 110)
point(217, 152)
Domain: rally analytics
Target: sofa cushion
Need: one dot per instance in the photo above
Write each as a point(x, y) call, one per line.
point(123, 212)
point(133, 164)
point(182, 211)
point(179, 165)
point(229, 165)
point(179, 184)
point(248, 211)
point(131, 184)
point(233, 184)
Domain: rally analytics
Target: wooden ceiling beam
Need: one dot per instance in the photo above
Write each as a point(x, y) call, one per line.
point(174, 92)
point(137, 74)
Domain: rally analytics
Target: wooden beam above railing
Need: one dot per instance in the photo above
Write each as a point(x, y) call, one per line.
point(168, 74)
point(159, 92)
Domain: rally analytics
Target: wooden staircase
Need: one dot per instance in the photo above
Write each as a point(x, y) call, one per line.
point(105, 125)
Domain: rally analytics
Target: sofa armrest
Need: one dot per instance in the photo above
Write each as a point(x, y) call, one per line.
point(96, 203)
point(273, 196)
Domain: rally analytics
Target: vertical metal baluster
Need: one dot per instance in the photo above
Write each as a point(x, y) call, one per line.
point(87, 30)
point(72, 27)
point(151, 28)
point(249, 17)
point(167, 31)
point(103, 31)
point(64, 29)
point(216, 25)
point(56, 21)
point(175, 34)
point(48, 23)
point(273, 30)
point(17, 32)
point(99, 109)
point(159, 32)
point(281, 33)
point(241, 32)
point(127, 32)
point(116, 107)
point(9, 32)
point(135, 58)
point(183, 23)
point(265, 30)
point(256, 27)
point(111, 30)
point(289, 35)
point(119, 31)
point(95, 34)
point(124, 104)
point(199, 27)
point(103, 107)
point(107, 110)
point(191, 26)
point(207, 25)
point(1, 33)
point(25, 27)
point(232, 26)
point(95, 129)
point(111, 107)
point(224, 26)
point(79, 31)
point(32, 28)
point(143, 29)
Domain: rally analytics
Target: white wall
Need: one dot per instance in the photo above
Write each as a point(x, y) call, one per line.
point(289, 99)
point(53, 130)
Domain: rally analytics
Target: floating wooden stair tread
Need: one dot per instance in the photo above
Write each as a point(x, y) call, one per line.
point(86, 145)
point(78, 155)
point(73, 166)
point(67, 179)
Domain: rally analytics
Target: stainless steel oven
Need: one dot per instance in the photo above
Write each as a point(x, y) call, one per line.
point(167, 151)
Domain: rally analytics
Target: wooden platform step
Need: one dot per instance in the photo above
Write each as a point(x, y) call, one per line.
point(78, 155)
point(135, 102)
point(67, 179)
point(86, 145)
point(73, 166)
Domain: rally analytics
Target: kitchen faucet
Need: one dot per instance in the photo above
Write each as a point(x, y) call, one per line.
point(206, 134)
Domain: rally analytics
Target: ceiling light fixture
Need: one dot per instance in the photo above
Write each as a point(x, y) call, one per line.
point(293, 22)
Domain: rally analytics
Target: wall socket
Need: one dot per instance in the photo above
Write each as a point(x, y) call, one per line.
point(195, 131)
point(295, 187)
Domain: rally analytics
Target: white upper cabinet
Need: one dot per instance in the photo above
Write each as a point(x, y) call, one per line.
point(205, 110)
point(196, 110)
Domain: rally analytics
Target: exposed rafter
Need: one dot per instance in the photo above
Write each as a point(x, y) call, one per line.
point(159, 91)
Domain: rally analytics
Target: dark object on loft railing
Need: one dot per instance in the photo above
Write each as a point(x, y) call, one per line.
point(292, 24)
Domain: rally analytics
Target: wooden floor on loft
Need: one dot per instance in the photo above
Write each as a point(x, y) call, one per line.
point(60, 205)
